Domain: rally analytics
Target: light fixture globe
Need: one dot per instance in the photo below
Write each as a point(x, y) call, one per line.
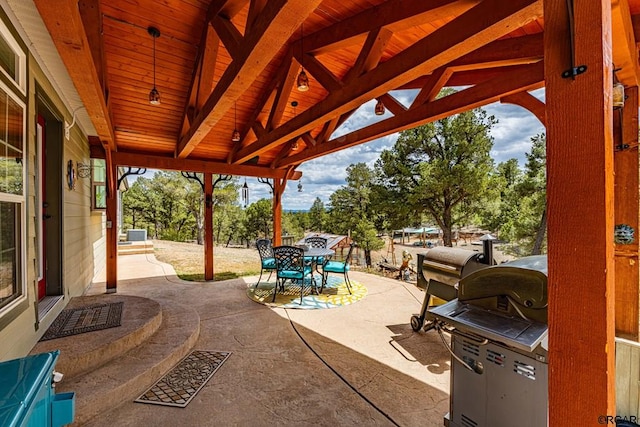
point(618, 95)
point(235, 136)
point(379, 110)
point(303, 81)
point(154, 97)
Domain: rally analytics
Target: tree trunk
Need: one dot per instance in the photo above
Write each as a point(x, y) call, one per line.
point(537, 246)
point(367, 257)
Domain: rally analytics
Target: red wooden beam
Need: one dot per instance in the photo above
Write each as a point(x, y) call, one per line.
point(208, 226)
point(580, 197)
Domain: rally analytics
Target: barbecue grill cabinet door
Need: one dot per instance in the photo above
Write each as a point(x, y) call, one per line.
point(507, 389)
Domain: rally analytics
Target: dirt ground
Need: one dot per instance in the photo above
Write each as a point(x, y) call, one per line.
point(188, 258)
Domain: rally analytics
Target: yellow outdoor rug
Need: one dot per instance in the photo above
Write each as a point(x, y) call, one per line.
point(334, 294)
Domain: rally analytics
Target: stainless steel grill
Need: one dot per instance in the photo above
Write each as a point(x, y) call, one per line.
point(439, 271)
point(498, 327)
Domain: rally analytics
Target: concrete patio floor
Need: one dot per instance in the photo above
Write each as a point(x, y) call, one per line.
point(359, 364)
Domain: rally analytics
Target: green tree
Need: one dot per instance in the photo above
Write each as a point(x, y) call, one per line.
point(440, 169)
point(366, 237)
point(352, 211)
point(258, 220)
point(317, 216)
point(530, 224)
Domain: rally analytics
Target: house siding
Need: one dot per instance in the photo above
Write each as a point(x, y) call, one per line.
point(83, 252)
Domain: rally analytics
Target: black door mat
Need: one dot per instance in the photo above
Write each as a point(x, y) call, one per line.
point(91, 318)
point(185, 380)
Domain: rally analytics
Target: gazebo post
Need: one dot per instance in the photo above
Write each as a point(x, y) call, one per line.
point(208, 226)
point(580, 199)
point(278, 188)
point(112, 224)
point(626, 214)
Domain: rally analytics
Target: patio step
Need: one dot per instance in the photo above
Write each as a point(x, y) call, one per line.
point(137, 247)
point(129, 375)
point(141, 318)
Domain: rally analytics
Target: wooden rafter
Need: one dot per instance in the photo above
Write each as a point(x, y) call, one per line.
point(370, 54)
point(202, 78)
point(278, 20)
point(458, 37)
point(396, 15)
point(392, 104)
point(473, 97)
point(282, 95)
point(64, 23)
point(529, 102)
point(321, 73)
point(228, 33)
point(169, 163)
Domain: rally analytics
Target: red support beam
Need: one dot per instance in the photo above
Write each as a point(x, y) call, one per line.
point(627, 205)
point(278, 189)
point(580, 199)
point(112, 224)
point(208, 226)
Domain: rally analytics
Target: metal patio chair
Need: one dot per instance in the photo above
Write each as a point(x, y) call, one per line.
point(290, 265)
point(267, 261)
point(340, 267)
point(315, 242)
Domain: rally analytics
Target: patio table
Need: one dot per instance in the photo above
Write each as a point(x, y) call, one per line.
point(317, 253)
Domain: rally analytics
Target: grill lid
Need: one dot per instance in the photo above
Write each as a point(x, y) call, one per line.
point(448, 260)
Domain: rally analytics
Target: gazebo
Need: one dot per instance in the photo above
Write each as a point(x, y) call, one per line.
point(257, 87)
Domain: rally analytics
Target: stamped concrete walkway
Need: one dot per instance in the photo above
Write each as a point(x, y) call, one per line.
point(359, 364)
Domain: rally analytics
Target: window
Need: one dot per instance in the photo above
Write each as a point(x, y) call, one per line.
point(13, 60)
point(12, 135)
point(98, 186)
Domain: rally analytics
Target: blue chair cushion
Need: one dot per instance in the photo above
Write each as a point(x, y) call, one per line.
point(294, 274)
point(269, 263)
point(335, 267)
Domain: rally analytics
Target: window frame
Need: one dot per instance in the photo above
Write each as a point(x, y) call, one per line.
point(20, 81)
point(20, 201)
point(95, 185)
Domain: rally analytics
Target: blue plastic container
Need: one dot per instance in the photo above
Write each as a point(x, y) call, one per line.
point(27, 398)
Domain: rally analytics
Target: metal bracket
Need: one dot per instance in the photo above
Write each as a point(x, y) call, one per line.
point(194, 176)
point(131, 171)
point(621, 147)
point(573, 72)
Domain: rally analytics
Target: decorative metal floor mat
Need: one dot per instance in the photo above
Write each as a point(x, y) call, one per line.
point(75, 321)
point(181, 384)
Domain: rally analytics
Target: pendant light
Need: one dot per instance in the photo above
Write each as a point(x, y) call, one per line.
point(379, 110)
point(235, 136)
point(154, 95)
point(303, 80)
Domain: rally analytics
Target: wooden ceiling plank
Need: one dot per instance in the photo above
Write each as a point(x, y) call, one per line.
point(278, 21)
point(527, 101)
point(392, 104)
point(193, 165)
point(229, 35)
point(625, 51)
point(64, 23)
point(473, 97)
point(455, 39)
point(342, 34)
point(436, 81)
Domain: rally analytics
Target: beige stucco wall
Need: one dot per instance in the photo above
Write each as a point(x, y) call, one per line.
point(83, 230)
